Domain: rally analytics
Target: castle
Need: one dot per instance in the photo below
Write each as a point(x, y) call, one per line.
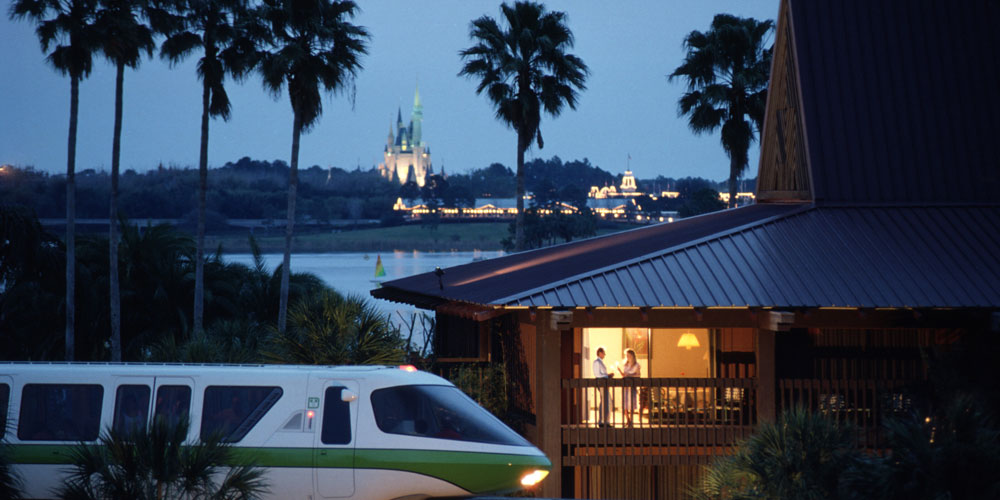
point(407, 157)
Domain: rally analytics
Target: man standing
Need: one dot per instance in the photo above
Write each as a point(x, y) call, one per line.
point(601, 371)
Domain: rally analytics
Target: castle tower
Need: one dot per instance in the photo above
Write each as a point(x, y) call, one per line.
point(407, 156)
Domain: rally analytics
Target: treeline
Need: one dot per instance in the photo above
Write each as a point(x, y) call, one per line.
point(256, 189)
point(156, 265)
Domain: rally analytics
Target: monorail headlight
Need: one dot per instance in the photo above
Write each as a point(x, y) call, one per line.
point(534, 477)
point(408, 368)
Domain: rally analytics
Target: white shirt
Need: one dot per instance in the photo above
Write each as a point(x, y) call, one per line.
point(600, 371)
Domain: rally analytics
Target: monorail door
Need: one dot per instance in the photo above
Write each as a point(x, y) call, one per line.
point(334, 406)
point(133, 400)
point(172, 400)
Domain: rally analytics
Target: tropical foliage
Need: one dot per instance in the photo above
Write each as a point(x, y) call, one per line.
point(524, 69)
point(157, 464)
point(330, 329)
point(799, 456)
point(726, 71)
point(156, 265)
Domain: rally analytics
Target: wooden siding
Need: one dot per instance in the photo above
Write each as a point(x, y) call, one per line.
point(783, 173)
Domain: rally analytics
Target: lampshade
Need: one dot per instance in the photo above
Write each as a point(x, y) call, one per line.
point(687, 341)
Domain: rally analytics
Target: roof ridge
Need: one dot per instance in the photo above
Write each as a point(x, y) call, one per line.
point(806, 207)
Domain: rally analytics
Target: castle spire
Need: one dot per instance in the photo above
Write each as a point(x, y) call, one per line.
point(417, 120)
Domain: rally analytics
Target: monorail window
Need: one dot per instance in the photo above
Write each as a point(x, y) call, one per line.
point(438, 411)
point(231, 411)
point(131, 408)
point(60, 412)
point(4, 406)
point(336, 418)
point(173, 402)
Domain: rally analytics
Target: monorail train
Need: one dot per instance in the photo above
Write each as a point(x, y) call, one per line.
point(320, 432)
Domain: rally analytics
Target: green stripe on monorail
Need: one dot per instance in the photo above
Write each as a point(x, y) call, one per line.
point(472, 471)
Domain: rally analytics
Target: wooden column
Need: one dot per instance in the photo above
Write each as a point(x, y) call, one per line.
point(767, 382)
point(770, 322)
point(547, 399)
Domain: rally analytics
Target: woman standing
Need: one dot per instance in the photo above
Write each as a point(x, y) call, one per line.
point(631, 369)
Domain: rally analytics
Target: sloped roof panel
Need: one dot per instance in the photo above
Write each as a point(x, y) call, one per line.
point(825, 257)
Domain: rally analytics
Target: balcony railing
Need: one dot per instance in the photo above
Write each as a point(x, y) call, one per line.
point(654, 420)
point(863, 404)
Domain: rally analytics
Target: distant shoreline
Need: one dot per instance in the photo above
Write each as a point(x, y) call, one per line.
point(445, 238)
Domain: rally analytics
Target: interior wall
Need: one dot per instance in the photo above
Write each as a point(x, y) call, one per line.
point(610, 339)
point(672, 361)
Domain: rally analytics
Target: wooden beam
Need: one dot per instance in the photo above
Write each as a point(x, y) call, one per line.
point(767, 380)
point(548, 411)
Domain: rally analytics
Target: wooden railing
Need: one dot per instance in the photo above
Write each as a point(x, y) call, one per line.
point(654, 420)
point(863, 404)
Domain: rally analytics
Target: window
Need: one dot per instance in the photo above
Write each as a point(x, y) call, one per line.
point(4, 406)
point(294, 423)
point(438, 411)
point(60, 412)
point(173, 402)
point(336, 418)
point(231, 411)
point(131, 408)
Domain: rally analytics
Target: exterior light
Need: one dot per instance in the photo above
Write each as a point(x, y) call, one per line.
point(688, 340)
point(534, 477)
point(408, 368)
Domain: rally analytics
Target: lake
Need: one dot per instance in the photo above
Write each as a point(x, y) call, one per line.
point(354, 273)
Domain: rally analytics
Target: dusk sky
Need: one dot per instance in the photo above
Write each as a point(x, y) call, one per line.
point(629, 108)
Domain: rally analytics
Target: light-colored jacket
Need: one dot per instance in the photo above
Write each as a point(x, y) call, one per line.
point(600, 371)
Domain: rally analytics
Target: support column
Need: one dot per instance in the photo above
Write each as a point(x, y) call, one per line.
point(767, 373)
point(547, 400)
point(767, 381)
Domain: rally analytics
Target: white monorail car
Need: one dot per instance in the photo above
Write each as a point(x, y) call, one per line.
point(321, 432)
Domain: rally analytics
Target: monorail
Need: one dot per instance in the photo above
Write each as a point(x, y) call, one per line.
point(320, 432)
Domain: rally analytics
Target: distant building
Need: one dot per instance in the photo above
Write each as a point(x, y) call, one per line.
point(406, 155)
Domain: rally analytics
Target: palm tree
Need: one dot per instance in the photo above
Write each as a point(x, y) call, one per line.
point(726, 69)
point(123, 39)
point(329, 329)
point(156, 464)
point(70, 33)
point(313, 44)
point(212, 27)
point(801, 455)
point(524, 69)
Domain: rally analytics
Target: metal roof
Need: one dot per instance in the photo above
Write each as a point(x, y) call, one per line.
point(894, 257)
point(807, 256)
point(899, 98)
point(486, 282)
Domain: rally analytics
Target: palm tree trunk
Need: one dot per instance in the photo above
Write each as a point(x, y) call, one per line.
point(74, 109)
point(116, 334)
point(199, 266)
point(293, 184)
point(519, 218)
point(734, 173)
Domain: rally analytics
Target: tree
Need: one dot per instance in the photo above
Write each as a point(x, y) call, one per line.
point(214, 28)
point(123, 38)
point(524, 68)
point(329, 329)
point(71, 34)
point(157, 464)
point(313, 44)
point(726, 69)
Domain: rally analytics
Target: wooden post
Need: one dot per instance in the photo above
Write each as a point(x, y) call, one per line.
point(767, 382)
point(547, 400)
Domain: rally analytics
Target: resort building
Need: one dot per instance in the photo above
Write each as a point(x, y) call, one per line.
point(873, 241)
point(406, 157)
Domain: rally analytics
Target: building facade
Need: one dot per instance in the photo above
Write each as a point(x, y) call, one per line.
point(406, 157)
